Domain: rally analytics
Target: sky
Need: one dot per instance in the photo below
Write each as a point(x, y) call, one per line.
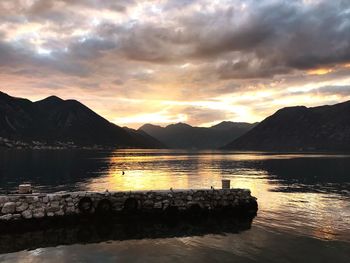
point(169, 61)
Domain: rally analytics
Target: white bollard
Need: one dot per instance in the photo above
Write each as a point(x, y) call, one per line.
point(25, 189)
point(225, 184)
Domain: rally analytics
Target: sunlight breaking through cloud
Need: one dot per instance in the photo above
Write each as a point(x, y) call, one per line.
point(211, 60)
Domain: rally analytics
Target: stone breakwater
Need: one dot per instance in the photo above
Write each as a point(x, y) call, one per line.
point(17, 207)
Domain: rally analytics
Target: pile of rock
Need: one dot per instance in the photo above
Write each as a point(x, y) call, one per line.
point(36, 206)
point(27, 206)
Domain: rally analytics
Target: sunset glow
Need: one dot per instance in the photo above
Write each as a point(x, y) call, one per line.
point(162, 62)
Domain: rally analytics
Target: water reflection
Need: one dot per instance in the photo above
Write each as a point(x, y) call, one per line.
point(254, 245)
point(305, 194)
point(49, 170)
point(88, 170)
point(96, 231)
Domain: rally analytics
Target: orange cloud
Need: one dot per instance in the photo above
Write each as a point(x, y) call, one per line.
point(319, 71)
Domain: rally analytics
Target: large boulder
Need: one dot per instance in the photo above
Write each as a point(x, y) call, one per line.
point(9, 208)
point(27, 214)
point(39, 213)
point(22, 207)
point(3, 199)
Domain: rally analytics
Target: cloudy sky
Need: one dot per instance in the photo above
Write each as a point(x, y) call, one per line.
point(166, 61)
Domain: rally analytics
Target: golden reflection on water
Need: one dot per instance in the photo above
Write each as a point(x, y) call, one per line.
point(282, 218)
point(305, 213)
point(162, 176)
point(153, 177)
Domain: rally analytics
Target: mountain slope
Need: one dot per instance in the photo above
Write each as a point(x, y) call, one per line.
point(17, 116)
point(143, 137)
point(324, 128)
point(54, 119)
point(184, 136)
point(225, 125)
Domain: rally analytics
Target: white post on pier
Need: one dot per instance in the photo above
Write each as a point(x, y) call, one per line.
point(24, 189)
point(225, 184)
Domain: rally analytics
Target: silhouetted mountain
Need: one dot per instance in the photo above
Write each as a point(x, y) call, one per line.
point(184, 136)
point(226, 125)
point(143, 137)
point(54, 119)
point(324, 128)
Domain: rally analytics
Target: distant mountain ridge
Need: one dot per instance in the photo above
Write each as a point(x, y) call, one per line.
point(184, 136)
point(54, 119)
point(323, 128)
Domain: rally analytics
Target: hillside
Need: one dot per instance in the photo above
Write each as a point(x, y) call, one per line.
point(184, 136)
point(53, 119)
point(324, 128)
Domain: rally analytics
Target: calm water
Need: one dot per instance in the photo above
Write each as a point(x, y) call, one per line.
point(304, 203)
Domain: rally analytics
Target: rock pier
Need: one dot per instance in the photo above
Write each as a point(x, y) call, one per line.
point(21, 207)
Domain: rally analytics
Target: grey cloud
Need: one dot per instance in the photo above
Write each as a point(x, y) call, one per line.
point(219, 33)
point(60, 12)
point(272, 39)
point(179, 4)
point(119, 5)
point(147, 42)
point(298, 39)
point(25, 61)
point(118, 82)
point(340, 90)
point(7, 54)
point(90, 48)
point(249, 69)
point(141, 76)
point(267, 39)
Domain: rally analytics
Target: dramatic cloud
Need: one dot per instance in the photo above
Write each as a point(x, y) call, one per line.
point(177, 60)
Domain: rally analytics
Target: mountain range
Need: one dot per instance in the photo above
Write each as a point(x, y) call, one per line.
point(323, 128)
point(54, 119)
point(184, 136)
